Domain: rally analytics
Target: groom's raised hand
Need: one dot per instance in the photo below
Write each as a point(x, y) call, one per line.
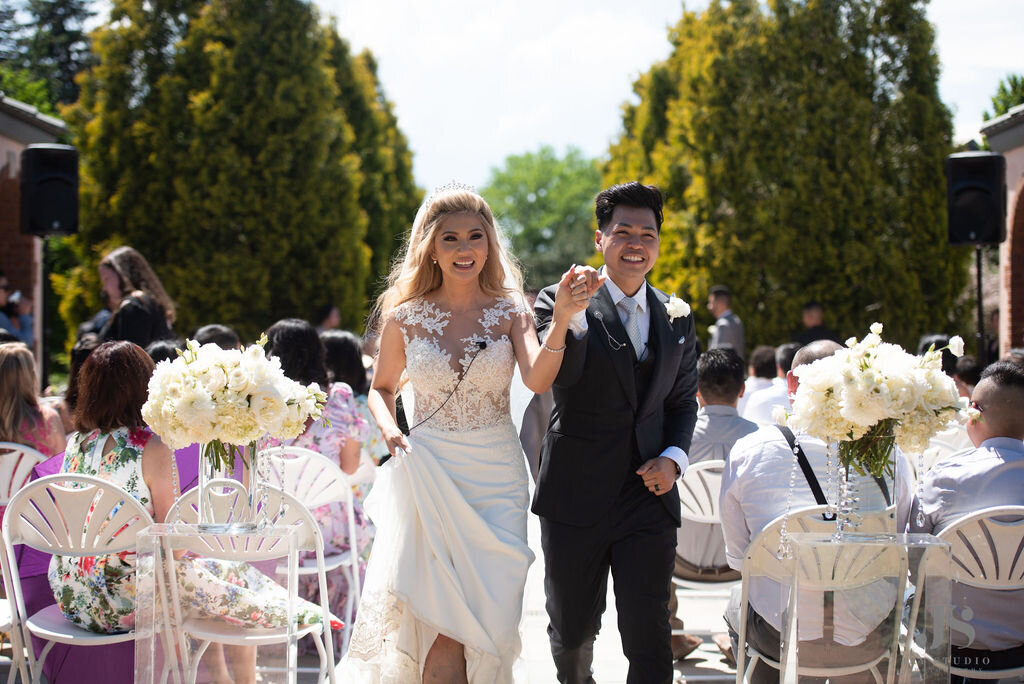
point(658, 474)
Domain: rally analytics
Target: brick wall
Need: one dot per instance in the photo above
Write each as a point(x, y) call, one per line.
point(1011, 299)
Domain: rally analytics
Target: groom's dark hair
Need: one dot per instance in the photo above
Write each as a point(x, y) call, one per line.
point(632, 194)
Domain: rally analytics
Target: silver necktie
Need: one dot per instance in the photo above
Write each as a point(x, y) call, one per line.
point(630, 306)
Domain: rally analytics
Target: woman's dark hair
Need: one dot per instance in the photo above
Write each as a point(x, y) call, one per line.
point(85, 346)
point(220, 335)
point(344, 356)
point(164, 350)
point(632, 194)
point(296, 343)
point(112, 387)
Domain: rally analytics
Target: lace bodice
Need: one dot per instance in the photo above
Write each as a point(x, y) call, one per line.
point(434, 363)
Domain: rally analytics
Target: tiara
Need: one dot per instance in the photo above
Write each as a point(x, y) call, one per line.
point(451, 186)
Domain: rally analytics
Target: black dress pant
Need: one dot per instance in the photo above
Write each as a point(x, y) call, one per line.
point(636, 540)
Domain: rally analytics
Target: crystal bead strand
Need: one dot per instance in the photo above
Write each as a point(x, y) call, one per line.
point(919, 519)
point(785, 550)
point(831, 484)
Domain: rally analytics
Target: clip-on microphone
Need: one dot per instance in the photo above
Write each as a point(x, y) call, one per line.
point(480, 346)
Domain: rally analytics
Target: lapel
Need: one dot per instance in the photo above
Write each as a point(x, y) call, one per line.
point(662, 330)
point(604, 323)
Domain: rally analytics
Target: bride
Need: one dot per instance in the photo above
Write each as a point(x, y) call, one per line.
point(444, 588)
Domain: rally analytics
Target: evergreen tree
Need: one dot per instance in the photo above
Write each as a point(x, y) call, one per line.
point(800, 147)
point(1009, 94)
point(545, 204)
point(228, 159)
point(20, 85)
point(8, 33)
point(388, 195)
point(57, 48)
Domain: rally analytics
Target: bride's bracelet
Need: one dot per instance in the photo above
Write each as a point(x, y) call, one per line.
point(551, 349)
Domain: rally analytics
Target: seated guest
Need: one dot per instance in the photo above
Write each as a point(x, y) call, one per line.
point(761, 407)
point(164, 350)
point(344, 360)
point(23, 419)
point(113, 443)
point(700, 548)
point(296, 343)
point(79, 353)
point(220, 335)
point(761, 371)
point(966, 375)
point(756, 489)
point(986, 626)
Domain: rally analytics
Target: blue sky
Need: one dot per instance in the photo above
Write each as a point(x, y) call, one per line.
point(473, 82)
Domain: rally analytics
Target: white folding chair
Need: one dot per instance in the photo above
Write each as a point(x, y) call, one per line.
point(762, 560)
point(316, 480)
point(699, 490)
point(987, 553)
point(65, 515)
point(16, 464)
point(226, 500)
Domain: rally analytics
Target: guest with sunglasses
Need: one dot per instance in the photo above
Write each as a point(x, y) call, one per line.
point(986, 628)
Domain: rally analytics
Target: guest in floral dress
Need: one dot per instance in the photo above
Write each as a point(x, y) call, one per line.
point(345, 364)
point(23, 420)
point(340, 437)
point(113, 443)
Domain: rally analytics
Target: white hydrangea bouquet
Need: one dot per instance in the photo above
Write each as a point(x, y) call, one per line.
point(872, 395)
point(224, 399)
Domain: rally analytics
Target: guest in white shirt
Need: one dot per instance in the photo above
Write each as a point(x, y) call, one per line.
point(986, 625)
point(755, 491)
point(761, 407)
point(761, 369)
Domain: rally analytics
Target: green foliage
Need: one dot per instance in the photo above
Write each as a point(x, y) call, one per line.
point(229, 161)
point(56, 49)
point(388, 194)
point(545, 204)
point(20, 85)
point(1009, 95)
point(800, 147)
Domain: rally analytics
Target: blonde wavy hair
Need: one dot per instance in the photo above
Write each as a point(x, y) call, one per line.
point(18, 402)
point(414, 274)
point(136, 275)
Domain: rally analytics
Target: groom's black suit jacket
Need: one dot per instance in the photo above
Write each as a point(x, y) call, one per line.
point(600, 430)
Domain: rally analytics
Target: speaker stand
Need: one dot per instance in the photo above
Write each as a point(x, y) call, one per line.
point(982, 347)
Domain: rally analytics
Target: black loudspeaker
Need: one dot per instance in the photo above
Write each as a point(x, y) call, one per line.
point(49, 190)
point(976, 198)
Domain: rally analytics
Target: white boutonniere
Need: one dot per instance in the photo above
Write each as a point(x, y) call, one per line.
point(676, 308)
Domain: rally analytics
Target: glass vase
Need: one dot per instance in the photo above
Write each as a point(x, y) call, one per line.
point(867, 483)
point(230, 486)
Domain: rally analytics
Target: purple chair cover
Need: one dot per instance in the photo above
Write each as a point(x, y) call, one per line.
point(111, 664)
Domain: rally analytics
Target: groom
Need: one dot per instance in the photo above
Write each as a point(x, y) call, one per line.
point(624, 411)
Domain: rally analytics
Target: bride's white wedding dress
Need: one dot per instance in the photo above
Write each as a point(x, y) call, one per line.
point(450, 553)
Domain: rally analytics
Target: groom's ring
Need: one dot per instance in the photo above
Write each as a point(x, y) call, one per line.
point(657, 488)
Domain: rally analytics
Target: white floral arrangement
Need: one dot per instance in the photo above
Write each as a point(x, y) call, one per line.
point(676, 308)
point(873, 394)
point(223, 397)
